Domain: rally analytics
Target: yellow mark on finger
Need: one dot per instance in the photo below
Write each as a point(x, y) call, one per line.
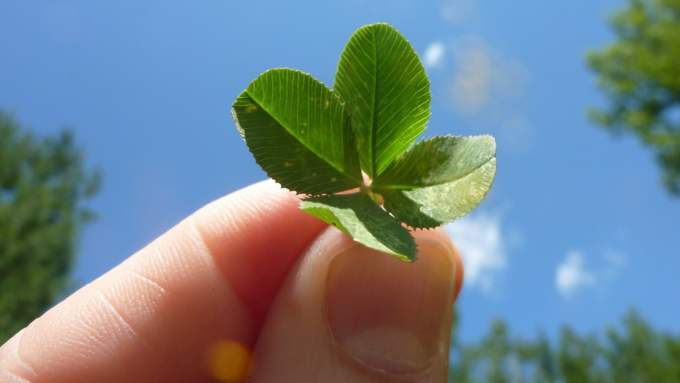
point(229, 361)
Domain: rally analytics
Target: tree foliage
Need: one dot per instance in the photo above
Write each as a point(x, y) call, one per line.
point(640, 75)
point(630, 353)
point(43, 184)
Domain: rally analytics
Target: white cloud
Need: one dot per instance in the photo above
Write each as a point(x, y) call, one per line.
point(484, 77)
point(615, 259)
point(433, 54)
point(572, 275)
point(482, 246)
point(472, 82)
point(458, 11)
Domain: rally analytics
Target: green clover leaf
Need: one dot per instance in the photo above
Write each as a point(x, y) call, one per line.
point(387, 92)
point(299, 132)
point(315, 141)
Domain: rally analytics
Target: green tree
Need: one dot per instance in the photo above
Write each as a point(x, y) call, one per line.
point(497, 358)
point(577, 358)
point(43, 184)
point(632, 353)
point(640, 75)
point(640, 354)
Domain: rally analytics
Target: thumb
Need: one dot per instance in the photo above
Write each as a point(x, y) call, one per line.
point(347, 313)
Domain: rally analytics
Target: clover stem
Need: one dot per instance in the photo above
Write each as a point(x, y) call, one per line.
point(364, 188)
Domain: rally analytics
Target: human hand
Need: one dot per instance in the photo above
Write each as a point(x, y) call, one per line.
point(250, 286)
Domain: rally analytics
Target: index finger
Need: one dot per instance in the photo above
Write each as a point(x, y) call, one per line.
point(210, 278)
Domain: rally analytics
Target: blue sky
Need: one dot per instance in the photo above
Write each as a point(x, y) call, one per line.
point(576, 229)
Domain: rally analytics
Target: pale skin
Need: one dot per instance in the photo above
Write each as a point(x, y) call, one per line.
point(250, 288)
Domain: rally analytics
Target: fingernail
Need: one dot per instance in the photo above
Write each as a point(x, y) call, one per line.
point(387, 314)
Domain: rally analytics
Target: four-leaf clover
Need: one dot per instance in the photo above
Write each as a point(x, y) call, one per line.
point(317, 141)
